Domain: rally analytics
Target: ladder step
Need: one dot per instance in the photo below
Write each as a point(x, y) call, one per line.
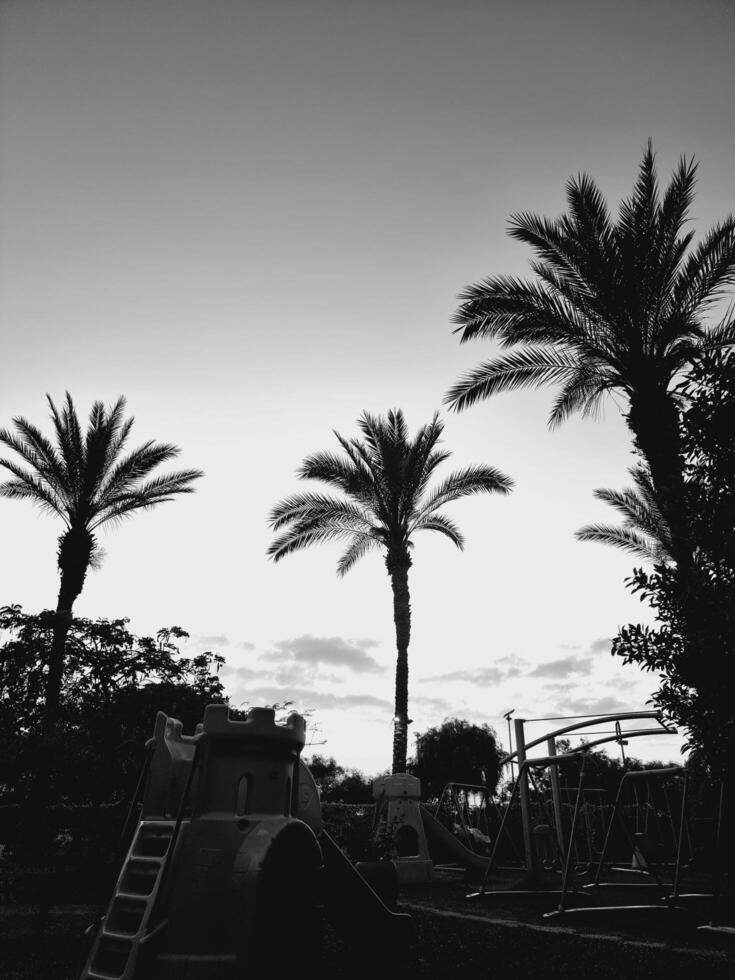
point(140, 877)
point(153, 839)
point(126, 916)
point(111, 957)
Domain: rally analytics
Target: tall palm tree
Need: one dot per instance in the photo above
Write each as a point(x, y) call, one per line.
point(616, 306)
point(86, 481)
point(384, 478)
point(644, 532)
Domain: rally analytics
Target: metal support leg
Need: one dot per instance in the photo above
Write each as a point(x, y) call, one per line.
point(530, 857)
point(556, 795)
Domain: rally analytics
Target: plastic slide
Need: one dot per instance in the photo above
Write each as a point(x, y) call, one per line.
point(446, 840)
point(353, 907)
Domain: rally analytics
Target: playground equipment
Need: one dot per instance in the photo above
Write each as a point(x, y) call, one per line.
point(642, 864)
point(525, 768)
point(470, 822)
point(398, 820)
point(473, 827)
point(580, 722)
point(547, 847)
point(229, 857)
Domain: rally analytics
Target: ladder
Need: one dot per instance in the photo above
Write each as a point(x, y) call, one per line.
point(127, 926)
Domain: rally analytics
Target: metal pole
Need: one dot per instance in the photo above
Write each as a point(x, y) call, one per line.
point(525, 797)
point(682, 824)
point(568, 861)
point(510, 738)
point(556, 795)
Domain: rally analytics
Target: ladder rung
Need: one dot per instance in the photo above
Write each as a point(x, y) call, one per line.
point(133, 895)
point(119, 937)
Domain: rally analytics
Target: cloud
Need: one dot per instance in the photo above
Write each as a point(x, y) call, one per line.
point(481, 675)
point(563, 667)
point(246, 645)
point(217, 640)
point(241, 673)
point(557, 687)
point(501, 670)
point(306, 698)
point(437, 706)
point(602, 645)
point(333, 650)
point(594, 706)
point(300, 674)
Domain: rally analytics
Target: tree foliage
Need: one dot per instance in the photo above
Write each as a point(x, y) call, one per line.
point(692, 645)
point(113, 686)
point(337, 784)
point(617, 305)
point(88, 480)
point(384, 480)
point(456, 751)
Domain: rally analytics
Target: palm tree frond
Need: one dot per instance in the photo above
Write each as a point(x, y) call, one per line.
point(360, 546)
point(526, 368)
point(623, 538)
point(442, 524)
point(463, 483)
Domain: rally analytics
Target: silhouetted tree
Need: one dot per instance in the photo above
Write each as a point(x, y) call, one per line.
point(385, 481)
point(86, 481)
point(456, 752)
point(337, 784)
point(113, 685)
point(692, 645)
point(617, 306)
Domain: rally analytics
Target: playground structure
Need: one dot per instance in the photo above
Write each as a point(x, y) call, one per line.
point(520, 756)
point(228, 852)
point(228, 856)
point(654, 833)
point(642, 864)
point(398, 817)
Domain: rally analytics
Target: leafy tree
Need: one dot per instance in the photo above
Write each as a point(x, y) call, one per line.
point(385, 482)
point(86, 481)
point(456, 752)
point(113, 685)
point(339, 785)
point(601, 770)
point(692, 646)
point(617, 306)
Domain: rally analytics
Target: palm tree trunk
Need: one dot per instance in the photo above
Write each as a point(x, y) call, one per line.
point(654, 421)
point(398, 571)
point(36, 841)
point(75, 549)
point(74, 555)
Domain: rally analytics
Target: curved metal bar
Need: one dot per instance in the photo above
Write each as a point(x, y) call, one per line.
point(615, 738)
point(599, 720)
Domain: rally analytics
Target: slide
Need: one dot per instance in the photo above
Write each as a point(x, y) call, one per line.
point(353, 907)
point(449, 844)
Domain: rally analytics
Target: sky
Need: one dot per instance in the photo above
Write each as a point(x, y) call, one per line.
point(253, 218)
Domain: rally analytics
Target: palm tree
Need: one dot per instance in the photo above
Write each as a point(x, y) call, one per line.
point(86, 481)
point(385, 482)
point(644, 532)
point(617, 306)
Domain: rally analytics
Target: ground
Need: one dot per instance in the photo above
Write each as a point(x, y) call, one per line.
point(453, 937)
